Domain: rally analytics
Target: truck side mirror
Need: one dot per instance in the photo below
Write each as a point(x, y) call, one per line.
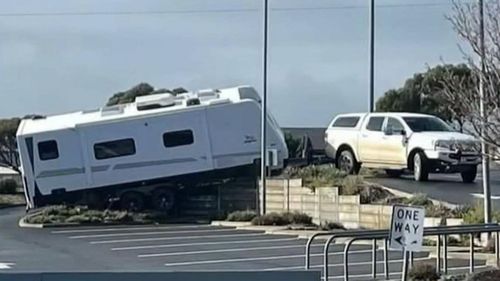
point(403, 133)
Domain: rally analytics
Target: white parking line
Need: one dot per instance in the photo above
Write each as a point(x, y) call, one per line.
point(128, 229)
point(6, 265)
point(204, 244)
point(223, 251)
point(149, 233)
point(259, 259)
point(176, 238)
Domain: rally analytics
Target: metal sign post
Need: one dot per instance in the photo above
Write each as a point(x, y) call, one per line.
point(263, 140)
point(404, 272)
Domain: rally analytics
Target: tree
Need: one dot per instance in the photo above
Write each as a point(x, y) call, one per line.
point(464, 93)
point(8, 145)
point(423, 93)
point(141, 89)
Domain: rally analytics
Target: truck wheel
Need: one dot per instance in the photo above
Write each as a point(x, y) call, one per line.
point(420, 167)
point(394, 173)
point(132, 201)
point(347, 162)
point(470, 175)
point(163, 199)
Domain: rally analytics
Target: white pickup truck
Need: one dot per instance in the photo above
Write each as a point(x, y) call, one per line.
point(397, 142)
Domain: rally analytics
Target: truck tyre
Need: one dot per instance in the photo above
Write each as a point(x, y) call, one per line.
point(420, 167)
point(347, 162)
point(469, 176)
point(132, 201)
point(163, 199)
point(394, 173)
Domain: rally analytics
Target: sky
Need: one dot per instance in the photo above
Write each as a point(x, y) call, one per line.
point(60, 56)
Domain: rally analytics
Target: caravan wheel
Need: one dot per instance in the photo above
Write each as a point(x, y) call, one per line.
point(163, 199)
point(132, 201)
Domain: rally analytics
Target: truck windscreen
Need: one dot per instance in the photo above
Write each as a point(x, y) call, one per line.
point(427, 124)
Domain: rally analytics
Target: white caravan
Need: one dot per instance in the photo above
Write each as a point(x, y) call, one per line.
point(144, 151)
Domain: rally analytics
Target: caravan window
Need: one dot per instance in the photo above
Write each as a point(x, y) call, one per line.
point(47, 150)
point(178, 138)
point(111, 149)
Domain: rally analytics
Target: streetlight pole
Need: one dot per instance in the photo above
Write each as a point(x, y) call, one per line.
point(484, 147)
point(372, 55)
point(263, 140)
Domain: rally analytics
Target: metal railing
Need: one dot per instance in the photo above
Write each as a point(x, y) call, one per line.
point(441, 232)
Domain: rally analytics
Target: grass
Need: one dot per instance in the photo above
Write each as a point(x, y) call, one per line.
point(83, 215)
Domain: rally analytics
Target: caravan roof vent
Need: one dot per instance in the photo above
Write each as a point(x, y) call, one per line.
point(112, 110)
point(154, 101)
point(207, 93)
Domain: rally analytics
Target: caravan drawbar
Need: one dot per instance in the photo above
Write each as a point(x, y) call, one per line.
point(143, 152)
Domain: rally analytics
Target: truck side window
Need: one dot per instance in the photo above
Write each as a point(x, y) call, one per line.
point(178, 138)
point(396, 126)
point(346, 122)
point(47, 150)
point(375, 124)
point(116, 148)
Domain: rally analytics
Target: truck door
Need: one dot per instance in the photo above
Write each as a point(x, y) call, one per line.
point(370, 139)
point(394, 149)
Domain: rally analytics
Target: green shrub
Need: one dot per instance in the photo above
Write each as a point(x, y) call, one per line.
point(438, 211)
point(270, 219)
point(460, 211)
point(282, 219)
point(423, 272)
point(475, 214)
point(352, 185)
point(330, 225)
point(297, 218)
point(79, 219)
point(8, 186)
point(490, 275)
point(241, 216)
point(418, 200)
point(317, 175)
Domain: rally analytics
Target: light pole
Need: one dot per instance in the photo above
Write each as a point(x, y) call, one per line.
point(484, 147)
point(372, 55)
point(263, 139)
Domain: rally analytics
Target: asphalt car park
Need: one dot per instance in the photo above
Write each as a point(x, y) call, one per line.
point(179, 247)
point(447, 187)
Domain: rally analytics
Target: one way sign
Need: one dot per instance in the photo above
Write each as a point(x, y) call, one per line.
point(407, 228)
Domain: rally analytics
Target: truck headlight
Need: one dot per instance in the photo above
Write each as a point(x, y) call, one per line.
point(443, 144)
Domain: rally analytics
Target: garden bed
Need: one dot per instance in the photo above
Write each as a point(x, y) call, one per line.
point(318, 176)
point(61, 214)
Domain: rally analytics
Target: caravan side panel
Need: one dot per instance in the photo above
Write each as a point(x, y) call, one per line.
point(163, 146)
point(58, 161)
point(234, 133)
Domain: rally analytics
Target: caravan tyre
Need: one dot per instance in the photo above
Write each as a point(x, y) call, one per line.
point(163, 199)
point(132, 201)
